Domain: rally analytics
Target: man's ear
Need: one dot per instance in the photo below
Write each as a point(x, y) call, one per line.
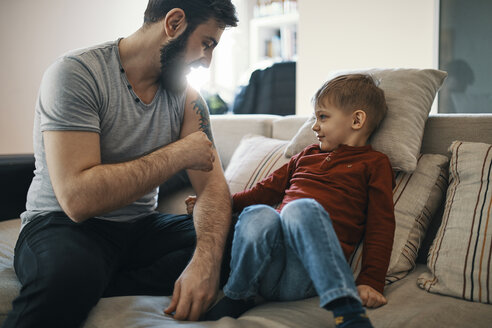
point(175, 22)
point(358, 119)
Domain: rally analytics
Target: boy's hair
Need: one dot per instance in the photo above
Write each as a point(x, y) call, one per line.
point(197, 11)
point(352, 92)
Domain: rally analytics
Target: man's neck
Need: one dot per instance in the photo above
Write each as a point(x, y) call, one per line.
point(139, 55)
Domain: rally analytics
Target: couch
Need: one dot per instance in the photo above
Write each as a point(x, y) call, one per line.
point(408, 305)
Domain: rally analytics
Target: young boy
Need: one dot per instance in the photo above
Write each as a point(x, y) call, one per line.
point(331, 195)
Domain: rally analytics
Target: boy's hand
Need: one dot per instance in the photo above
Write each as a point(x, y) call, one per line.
point(370, 297)
point(190, 204)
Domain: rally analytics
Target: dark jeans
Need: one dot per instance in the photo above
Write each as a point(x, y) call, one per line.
point(66, 267)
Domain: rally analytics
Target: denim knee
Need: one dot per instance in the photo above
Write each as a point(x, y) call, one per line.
point(300, 212)
point(258, 222)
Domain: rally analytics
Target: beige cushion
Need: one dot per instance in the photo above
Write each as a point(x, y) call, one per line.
point(460, 257)
point(408, 306)
point(416, 198)
point(228, 130)
point(254, 159)
point(9, 284)
point(409, 95)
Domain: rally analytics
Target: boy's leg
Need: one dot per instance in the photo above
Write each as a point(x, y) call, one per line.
point(161, 246)
point(63, 267)
point(257, 242)
point(256, 249)
point(309, 232)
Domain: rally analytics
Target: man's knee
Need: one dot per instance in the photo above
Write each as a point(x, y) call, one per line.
point(59, 296)
point(58, 273)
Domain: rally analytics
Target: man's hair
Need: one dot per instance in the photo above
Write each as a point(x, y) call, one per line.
point(352, 92)
point(197, 11)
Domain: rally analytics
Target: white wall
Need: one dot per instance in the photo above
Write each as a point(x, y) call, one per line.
point(333, 34)
point(353, 34)
point(32, 35)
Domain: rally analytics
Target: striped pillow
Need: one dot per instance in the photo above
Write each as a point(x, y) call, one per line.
point(460, 259)
point(416, 198)
point(255, 158)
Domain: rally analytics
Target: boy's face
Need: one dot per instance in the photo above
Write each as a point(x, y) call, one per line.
point(333, 127)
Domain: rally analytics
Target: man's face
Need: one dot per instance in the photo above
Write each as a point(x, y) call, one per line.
point(186, 51)
point(333, 127)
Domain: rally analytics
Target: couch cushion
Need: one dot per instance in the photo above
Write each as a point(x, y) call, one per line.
point(408, 306)
point(286, 127)
point(9, 285)
point(255, 158)
point(416, 198)
point(460, 257)
point(409, 94)
point(228, 131)
point(442, 129)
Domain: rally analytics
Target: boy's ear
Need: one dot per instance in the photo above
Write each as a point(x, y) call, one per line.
point(358, 119)
point(175, 22)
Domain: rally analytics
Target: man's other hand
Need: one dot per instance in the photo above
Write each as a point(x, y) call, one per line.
point(194, 291)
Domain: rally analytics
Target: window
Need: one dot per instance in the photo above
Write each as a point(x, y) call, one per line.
point(465, 52)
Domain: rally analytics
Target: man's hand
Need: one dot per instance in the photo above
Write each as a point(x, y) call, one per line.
point(370, 297)
point(198, 152)
point(190, 204)
point(195, 290)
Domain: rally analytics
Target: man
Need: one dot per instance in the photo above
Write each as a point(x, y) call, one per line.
point(112, 123)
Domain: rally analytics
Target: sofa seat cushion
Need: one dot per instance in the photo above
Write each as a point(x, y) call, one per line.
point(9, 285)
point(408, 306)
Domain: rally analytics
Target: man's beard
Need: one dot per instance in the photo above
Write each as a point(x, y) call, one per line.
point(173, 66)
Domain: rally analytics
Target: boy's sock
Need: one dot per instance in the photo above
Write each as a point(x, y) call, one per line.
point(348, 312)
point(227, 307)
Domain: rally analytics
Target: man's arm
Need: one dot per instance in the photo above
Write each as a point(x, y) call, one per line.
point(196, 288)
point(85, 187)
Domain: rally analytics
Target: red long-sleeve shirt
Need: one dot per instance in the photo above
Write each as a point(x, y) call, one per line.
point(354, 185)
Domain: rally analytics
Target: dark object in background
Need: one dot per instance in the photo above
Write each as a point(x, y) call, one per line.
point(269, 91)
point(16, 173)
point(177, 182)
point(216, 105)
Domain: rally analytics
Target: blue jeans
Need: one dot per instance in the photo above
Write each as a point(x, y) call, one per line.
point(288, 256)
point(66, 267)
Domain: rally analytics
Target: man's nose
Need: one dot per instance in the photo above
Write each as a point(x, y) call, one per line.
point(206, 59)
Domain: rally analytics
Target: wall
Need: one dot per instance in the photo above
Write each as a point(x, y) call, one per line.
point(333, 34)
point(355, 34)
point(33, 34)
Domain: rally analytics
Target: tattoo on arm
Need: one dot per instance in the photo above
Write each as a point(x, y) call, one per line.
point(201, 109)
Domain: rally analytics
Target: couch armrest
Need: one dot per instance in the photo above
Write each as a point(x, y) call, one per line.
point(16, 173)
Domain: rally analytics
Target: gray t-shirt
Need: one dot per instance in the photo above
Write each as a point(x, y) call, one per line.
point(87, 90)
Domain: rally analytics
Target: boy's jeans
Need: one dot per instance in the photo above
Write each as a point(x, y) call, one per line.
point(288, 256)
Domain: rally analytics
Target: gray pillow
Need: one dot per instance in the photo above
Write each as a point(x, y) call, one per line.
point(409, 95)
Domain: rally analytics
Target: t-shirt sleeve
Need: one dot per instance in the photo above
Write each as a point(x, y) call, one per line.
point(380, 226)
point(69, 98)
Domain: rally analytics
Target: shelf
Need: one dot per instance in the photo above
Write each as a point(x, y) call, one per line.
point(273, 38)
point(275, 21)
